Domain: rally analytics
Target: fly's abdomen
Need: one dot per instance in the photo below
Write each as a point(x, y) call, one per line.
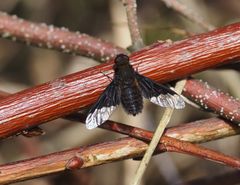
point(132, 100)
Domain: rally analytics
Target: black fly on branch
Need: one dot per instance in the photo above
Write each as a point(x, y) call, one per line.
point(128, 87)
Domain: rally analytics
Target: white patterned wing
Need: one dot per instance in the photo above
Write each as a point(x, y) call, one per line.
point(168, 100)
point(98, 117)
point(104, 107)
point(159, 94)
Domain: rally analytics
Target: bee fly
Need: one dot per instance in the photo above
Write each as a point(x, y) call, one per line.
point(128, 87)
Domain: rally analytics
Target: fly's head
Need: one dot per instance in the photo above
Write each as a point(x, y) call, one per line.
point(121, 61)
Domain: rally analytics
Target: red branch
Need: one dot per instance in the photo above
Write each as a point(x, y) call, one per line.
point(170, 144)
point(199, 131)
point(113, 151)
point(52, 37)
point(212, 99)
point(161, 62)
point(196, 132)
point(188, 132)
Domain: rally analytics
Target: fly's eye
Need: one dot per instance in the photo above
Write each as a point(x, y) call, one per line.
point(121, 59)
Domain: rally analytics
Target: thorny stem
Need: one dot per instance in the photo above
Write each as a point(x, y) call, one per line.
point(156, 137)
point(50, 37)
point(131, 10)
point(188, 13)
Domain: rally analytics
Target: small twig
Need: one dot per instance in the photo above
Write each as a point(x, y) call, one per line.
point(203, 130)
point(156, 137)
point(48, 36)
point(131, 10)
point(171, 144)
point(188, 13)
point(198, 151)
point(195, 132)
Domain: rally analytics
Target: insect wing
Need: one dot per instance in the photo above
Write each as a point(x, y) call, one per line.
point(159, 94)
point(106, 104)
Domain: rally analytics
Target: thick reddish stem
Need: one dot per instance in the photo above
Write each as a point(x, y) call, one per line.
point(161, 62)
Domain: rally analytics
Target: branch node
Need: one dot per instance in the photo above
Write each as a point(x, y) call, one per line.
point(74, 163)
